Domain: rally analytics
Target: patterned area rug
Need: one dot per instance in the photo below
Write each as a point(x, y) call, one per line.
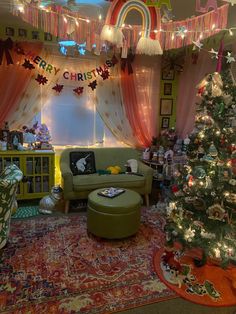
point(52, 265)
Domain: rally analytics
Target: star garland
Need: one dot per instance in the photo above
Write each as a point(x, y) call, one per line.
point(28, 65)
point(58, 88)
point(214, 54)
point(41, 79)
point(79, 90)
point(93, 84)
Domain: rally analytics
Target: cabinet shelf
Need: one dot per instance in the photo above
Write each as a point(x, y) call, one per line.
point(38, 170)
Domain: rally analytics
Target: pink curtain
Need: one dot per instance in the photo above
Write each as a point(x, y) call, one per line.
point(14, 79)
point(186, 100)
point(140, 94)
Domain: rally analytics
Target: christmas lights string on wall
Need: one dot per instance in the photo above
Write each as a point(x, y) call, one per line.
point(65, 24)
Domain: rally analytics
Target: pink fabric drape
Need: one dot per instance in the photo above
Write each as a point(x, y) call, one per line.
point(14, 80)
point(186, 100)
point(140, 93)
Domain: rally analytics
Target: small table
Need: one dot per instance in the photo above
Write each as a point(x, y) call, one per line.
point(114, 218)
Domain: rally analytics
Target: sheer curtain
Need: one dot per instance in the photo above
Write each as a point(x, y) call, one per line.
point(140, 94)
point(14, 81)
point(111, 108)
point(186, 100)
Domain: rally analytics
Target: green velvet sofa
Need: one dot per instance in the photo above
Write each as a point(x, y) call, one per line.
point(79, 186)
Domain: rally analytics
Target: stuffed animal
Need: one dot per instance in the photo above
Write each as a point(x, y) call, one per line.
point(114, 169)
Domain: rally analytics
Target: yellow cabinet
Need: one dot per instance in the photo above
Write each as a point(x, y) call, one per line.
point(38, 171)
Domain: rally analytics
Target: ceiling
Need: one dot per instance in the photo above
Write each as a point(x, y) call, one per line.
point(181, 9)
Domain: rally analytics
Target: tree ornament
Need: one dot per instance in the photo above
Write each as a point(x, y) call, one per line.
point(213, 151)
point(58, 88)
point(219, 108)
point(200, 152)
point(216, 212)
point(41, 79)
point(79, 90)
point(229, 57)
point(199, 172)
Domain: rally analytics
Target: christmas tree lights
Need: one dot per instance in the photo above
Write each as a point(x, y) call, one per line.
point(202, 211)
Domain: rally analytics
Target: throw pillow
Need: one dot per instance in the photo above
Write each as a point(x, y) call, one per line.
point(82, 162)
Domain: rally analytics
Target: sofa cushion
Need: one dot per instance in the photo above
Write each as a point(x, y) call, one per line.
point(94, 181)
point(82, 162)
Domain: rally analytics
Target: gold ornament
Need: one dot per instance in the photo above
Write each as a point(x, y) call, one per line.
point(216, 212)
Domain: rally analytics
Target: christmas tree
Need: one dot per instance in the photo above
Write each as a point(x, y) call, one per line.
point(202, 210)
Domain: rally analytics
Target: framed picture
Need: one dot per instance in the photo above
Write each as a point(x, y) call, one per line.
point(35, 35)
point(165, 122)
point(10, 31)
point(166, 106)
point(168, 74)
point(47, 36)
point(22, 32)
point(15, 138)
point(4, 135)
point(167, 88)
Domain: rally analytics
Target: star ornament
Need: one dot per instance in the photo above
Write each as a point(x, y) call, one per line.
point(214, 54)
point(41, 79)
point(229, 57)
point(181, 30)
point(28, 65)
point(93, 85)
point(79, 90)
point(58, 88)
point(198, 44)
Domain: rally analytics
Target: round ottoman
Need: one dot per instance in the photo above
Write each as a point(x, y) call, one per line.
point(113, 218)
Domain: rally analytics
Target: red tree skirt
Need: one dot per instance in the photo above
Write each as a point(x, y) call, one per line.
point(207, 285)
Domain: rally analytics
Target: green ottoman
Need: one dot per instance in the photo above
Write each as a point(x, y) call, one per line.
point(113, 218)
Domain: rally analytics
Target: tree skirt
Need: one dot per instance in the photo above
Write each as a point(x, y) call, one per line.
point(52, 265)
point(207, 285)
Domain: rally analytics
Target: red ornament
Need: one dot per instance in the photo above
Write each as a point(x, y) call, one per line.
point(41, 79)
point(201, 90)
point(78, 90)
point(174, 188)
point(58, 88)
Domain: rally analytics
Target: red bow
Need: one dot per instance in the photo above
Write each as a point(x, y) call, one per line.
point(5, 46)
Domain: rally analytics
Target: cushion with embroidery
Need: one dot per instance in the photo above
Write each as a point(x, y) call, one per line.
point(82, 162)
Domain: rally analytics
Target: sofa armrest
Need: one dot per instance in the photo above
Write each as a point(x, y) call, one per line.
point(67, 178)
point(147, 172)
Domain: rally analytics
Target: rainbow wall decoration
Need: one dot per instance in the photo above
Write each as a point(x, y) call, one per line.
point(151, 21)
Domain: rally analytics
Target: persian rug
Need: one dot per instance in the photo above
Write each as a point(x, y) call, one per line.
point(52, 265)
point(207, 285)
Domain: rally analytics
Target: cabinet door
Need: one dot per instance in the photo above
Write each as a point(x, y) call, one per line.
point(39, 174)
point(8, 160)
